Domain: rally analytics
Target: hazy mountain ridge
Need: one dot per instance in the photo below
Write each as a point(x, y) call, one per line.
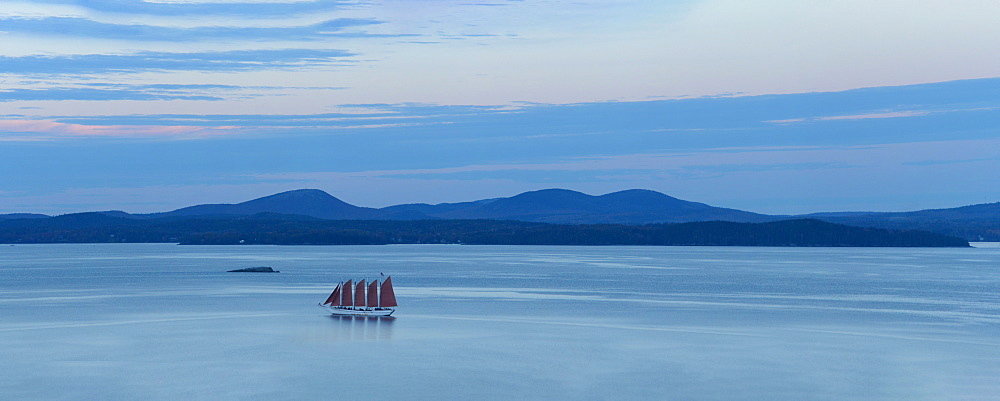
point(974, 222)
point(549, 205)
point(561, 206)
point(971, 212)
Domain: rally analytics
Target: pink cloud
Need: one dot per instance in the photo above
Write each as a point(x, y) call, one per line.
point(40, 130)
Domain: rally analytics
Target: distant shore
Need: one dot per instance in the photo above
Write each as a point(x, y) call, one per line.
point(294, 230)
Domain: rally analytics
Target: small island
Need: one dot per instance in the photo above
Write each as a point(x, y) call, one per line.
point(261, 269)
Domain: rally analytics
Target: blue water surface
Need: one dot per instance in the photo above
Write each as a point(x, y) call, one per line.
point(166, 322)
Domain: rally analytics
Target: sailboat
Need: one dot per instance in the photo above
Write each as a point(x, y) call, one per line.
point(349, 299)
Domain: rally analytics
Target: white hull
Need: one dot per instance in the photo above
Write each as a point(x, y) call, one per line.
point(350, 311)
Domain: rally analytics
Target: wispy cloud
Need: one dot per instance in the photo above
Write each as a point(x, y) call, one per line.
point(234, 60)
point(106, 91)
point(754, 160)
point(215, 8)
point(944, 161)
point(864, 116)
point(281, 123)
point(367, 115)
point(83, 27)
point(96, 94)
point(704, 163)
point(891, 114)
point(35, 130)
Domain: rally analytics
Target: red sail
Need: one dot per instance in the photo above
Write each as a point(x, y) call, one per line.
point(347, 299)
point(359, 294)
point(387, 298)
point(334, 299)
point(373, 294)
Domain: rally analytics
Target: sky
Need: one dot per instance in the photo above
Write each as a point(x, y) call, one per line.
point(771, 106)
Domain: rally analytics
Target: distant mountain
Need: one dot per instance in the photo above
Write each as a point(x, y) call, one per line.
point(545, 206)
point(974, 222)
point(305, 202)
point(17, 216)
point(634, 206)
point(971, 212)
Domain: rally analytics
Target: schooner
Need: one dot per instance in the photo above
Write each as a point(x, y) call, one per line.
point(349, 299)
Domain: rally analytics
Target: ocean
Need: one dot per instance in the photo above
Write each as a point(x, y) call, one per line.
point(167, 322)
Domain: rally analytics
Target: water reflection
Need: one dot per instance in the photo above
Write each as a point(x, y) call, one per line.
point(363, 328)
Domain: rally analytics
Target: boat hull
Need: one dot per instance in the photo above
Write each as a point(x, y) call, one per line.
point(339, 311)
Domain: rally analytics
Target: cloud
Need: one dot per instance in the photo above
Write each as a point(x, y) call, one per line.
point(283, 124)
point(363, 116)
point(40, 130)
point(83, 27)
point(103, 91)
point(706, 162)
point(95, 94)
point(200, 8)
point(233, 60)
point(892, 114)
point(865, 116)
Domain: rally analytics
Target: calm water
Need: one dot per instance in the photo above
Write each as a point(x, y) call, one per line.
point(165, 322)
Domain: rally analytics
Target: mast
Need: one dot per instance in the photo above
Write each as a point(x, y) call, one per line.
point(373, 294)
point(388, 297)
point(334, 298)
point(359, 294)
point(347, 299)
